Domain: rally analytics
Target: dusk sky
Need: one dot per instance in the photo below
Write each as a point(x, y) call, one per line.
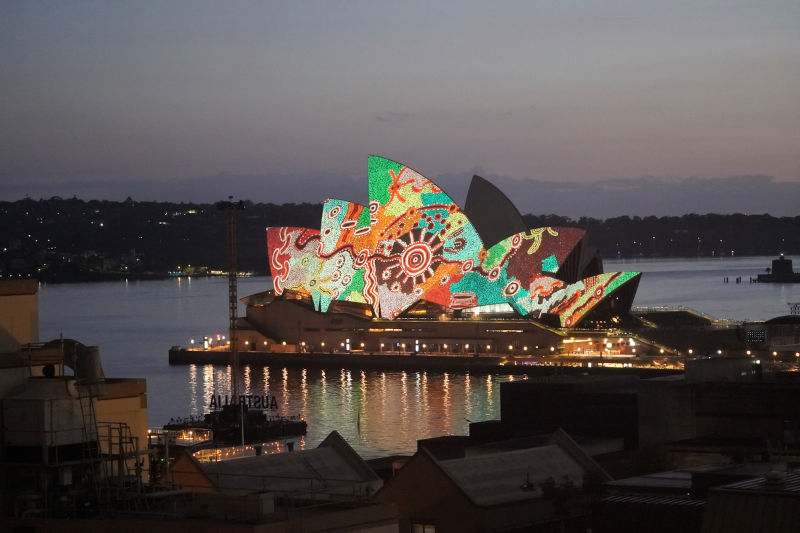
point(153, 99)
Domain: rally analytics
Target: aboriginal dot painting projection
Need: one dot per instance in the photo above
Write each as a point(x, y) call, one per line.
point(412, 243)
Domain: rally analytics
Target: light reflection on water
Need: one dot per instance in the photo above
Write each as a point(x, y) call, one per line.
point(379, 413)
point(134, 324)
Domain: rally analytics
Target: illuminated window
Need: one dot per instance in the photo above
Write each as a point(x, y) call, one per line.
point(423, 528)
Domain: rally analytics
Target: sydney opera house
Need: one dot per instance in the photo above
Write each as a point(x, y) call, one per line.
point(414, 272)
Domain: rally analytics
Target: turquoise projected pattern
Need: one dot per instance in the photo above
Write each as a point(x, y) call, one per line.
point(412, 243)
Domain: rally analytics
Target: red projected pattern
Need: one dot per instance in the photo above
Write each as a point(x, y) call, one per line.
point(414, 243)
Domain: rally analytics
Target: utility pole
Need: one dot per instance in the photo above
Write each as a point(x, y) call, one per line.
point(231, 209)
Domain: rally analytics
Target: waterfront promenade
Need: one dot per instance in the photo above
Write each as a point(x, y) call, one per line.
point(497, 364)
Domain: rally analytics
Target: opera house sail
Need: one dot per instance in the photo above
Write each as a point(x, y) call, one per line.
point(413, 253)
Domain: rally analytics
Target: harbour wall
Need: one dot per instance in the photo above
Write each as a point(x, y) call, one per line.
point(442, 363)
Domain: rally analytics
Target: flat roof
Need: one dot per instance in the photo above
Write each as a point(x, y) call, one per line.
point(14, 287)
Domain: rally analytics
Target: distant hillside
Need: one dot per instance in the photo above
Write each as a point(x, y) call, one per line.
point(70, 239)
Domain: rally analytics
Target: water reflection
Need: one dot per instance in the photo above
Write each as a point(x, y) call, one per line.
point(193, 410)
point(286, 394)
point(304, 392)
point(208, 388)
point(266, 381)
point(446, 398)
point(379, 413)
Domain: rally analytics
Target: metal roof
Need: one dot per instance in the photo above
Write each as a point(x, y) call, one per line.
point(769, 504)
point(507, 477)
point(332, 468)
point(650, 499)
point(779, 482)
point(318, 469)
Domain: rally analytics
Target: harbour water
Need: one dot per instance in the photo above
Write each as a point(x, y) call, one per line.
point(380, 413)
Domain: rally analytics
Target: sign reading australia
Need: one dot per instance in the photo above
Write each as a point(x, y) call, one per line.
point(265, 401)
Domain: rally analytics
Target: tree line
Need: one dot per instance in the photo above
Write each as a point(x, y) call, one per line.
point(63, 239)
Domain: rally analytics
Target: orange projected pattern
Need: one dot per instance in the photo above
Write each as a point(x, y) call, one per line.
point(412, 242)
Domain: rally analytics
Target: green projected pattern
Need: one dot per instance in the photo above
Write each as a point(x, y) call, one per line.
point(412, 242)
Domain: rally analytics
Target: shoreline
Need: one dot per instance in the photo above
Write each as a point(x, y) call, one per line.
point(417, 362)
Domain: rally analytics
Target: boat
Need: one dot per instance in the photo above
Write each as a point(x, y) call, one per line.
point(223, 427)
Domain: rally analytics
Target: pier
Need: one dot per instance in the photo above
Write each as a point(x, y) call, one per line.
point(498, 364)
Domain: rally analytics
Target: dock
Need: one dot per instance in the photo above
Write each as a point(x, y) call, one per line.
point(498, 364)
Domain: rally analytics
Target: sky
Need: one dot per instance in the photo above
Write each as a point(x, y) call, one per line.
point(555, 101)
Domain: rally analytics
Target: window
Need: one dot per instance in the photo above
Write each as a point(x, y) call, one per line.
point(423, 528)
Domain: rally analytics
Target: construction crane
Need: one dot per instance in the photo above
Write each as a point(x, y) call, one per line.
point(232, 208)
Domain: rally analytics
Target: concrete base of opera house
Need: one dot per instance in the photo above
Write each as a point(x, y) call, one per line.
point(502, 364)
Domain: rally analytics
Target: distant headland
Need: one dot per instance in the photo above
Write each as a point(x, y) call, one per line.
point(63, 239)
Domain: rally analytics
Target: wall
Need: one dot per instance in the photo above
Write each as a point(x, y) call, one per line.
point(424, 494)
point(125, 400)
point(19, 309)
